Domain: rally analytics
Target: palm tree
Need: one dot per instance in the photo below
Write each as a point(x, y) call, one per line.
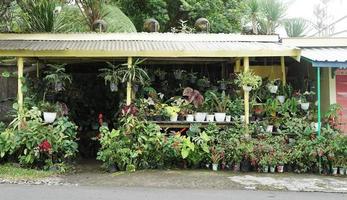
point(253, 8)
point(295, 27)
point(274, 11)
point(92, 11)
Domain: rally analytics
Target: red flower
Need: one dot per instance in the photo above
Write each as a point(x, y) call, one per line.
point(45, 146)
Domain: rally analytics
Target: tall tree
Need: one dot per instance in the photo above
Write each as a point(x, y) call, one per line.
point(273, 11)
point(295, 27)
point(253, 9)
point(139, 10)
point(5, 15)
point(224, 15)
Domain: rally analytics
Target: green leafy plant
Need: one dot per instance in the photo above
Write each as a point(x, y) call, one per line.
point(249, 79)
point(57, 77)
point(48, 107)
point(220, 102)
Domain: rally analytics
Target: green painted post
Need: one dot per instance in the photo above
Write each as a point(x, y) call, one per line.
point(319, 102)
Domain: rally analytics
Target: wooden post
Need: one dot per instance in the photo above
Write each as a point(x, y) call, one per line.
point(20, 98)
point(246, 93)
point(237, 66)
point(129, 86)
point(283, 68)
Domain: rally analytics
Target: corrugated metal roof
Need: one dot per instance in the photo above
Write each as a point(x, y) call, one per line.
point(143, 44)
point(338, 54)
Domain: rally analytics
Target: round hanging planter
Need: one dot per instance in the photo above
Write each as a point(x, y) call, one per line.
point(305, 106)
point(49, 117)
point(246, 88)
point(281, 98)
point(113, 87)
point(58, 86)
point(273, 89)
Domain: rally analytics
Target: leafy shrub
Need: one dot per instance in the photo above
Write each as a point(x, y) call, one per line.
point(136, 142)
point(39, 145)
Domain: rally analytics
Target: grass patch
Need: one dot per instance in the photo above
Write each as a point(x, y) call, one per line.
point(8, 171)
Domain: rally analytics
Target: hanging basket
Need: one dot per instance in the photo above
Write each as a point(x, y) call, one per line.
point(246, 88)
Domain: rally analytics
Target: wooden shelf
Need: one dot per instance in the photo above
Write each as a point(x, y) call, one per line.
point(185, 124)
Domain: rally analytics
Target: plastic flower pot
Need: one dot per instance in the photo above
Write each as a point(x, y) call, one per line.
point(342, 171)
point(246, 88)
point(272, 169)
point(173, 117)
point(49, 117)
point(210, 118)
point(280, 168)
point(207, 166)
point(334, 170)
point(190, 118)
point(215, 167)
point(305, 106)
point(281, 98)
point(269, 128)
point(236, 167)
point(242, 118)
point(273, 89)
point(228, 118)
point(265, 169)
point(58, 87)
point(220, 117)
point(200, 116)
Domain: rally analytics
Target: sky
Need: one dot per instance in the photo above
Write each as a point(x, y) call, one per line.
point(304, 9)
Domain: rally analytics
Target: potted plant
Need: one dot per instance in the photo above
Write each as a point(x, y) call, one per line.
point(248, 80)
point(111, 75)
point(195, 98)
point(264, 164)
point(203, 83)
point(273, 86)
point(221, 104)
point(56, 77)
point(192, 76)
point(172, 111)
point(223, 84)
point(281, 97)
point(161, 74)
point(49, 112)
point(178, 73)
point(216, 157)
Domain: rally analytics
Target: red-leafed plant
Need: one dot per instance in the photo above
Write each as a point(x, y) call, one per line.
point(193, 96)
point(45, 146)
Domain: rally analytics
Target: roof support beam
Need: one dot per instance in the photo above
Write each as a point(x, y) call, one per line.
point(246, 93)
point(283, 68)
point(129, 86)
point(20, 98)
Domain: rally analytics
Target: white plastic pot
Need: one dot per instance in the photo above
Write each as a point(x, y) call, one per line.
point(246, 88)
point(334, 170)
point(215, 167)
point(273, 89)
point(281, 98)
point(49, 117)
point(280, 168)
point(228, 118)
point(342, 171)
point(272, 169)
point(220, 117)
point(113, 87)
point(242, 118)
point(265, 169)
point(305, 106)
point(190, 118)
point(269, 128)
point(200, 117)
point(173, 118)
point(210, 118)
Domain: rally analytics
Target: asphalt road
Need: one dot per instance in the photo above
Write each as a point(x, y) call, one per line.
point(27, 192)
